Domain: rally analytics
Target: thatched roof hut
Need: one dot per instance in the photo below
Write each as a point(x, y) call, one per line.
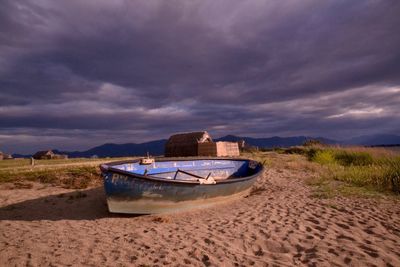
point(199, 144)
point(5, 156)
point(48, 154)
point(218, 149)
point(45, 154)
point(185, 144)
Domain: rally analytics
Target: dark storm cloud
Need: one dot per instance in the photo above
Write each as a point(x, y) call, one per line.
point(135, 70)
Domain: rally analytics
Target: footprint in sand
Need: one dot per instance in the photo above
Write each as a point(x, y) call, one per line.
point(370, 251)
point(341, 236)
point(332, 251)
point(314, 221)
point(206, 260)
point(344, 226)
point(275, 247)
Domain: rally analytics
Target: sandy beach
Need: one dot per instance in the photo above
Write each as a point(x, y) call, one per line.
point(279, 224)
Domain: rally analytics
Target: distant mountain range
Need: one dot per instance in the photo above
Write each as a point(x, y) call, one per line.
point(157, 147)
point(374, 140)
point(120, 150)
point(274, 141)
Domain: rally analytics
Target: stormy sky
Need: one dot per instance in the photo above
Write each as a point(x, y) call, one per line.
point(75, 74)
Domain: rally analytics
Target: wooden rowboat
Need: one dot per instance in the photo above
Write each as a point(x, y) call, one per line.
point(169, 185)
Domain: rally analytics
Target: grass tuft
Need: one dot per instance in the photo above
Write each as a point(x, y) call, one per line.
point(322, 157)
point(346, 158)
point(360, 167)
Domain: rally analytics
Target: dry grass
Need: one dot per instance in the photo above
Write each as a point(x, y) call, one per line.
point(69, 177)
point(376, 168)
point(328, 188)
point(68, 173)
point(333, 170)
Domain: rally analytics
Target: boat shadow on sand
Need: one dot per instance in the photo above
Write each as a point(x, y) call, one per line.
point(87, 204)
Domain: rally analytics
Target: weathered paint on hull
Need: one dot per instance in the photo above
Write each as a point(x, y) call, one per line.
point(131, 195)
point(145, 206)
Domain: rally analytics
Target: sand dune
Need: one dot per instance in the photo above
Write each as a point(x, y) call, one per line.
point(278, 224)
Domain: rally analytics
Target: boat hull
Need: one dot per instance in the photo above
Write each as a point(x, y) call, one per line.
point(152, 206)
point(136, 194)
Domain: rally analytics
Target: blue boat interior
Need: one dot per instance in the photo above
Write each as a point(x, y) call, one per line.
point(193, 169)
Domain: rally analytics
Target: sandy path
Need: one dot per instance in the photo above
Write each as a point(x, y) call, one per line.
point(279, 224)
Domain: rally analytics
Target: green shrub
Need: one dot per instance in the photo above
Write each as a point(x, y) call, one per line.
point(353, 158)
point(341, 157)
point(310, 153)
point(392, 173)
point(379, 177)
point(296, 150)
point(359, 168)
point(323, 157)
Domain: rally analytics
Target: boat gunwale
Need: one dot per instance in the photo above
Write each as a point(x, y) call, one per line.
point(108, 167)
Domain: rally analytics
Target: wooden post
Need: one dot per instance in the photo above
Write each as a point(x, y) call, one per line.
point(32, 161)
